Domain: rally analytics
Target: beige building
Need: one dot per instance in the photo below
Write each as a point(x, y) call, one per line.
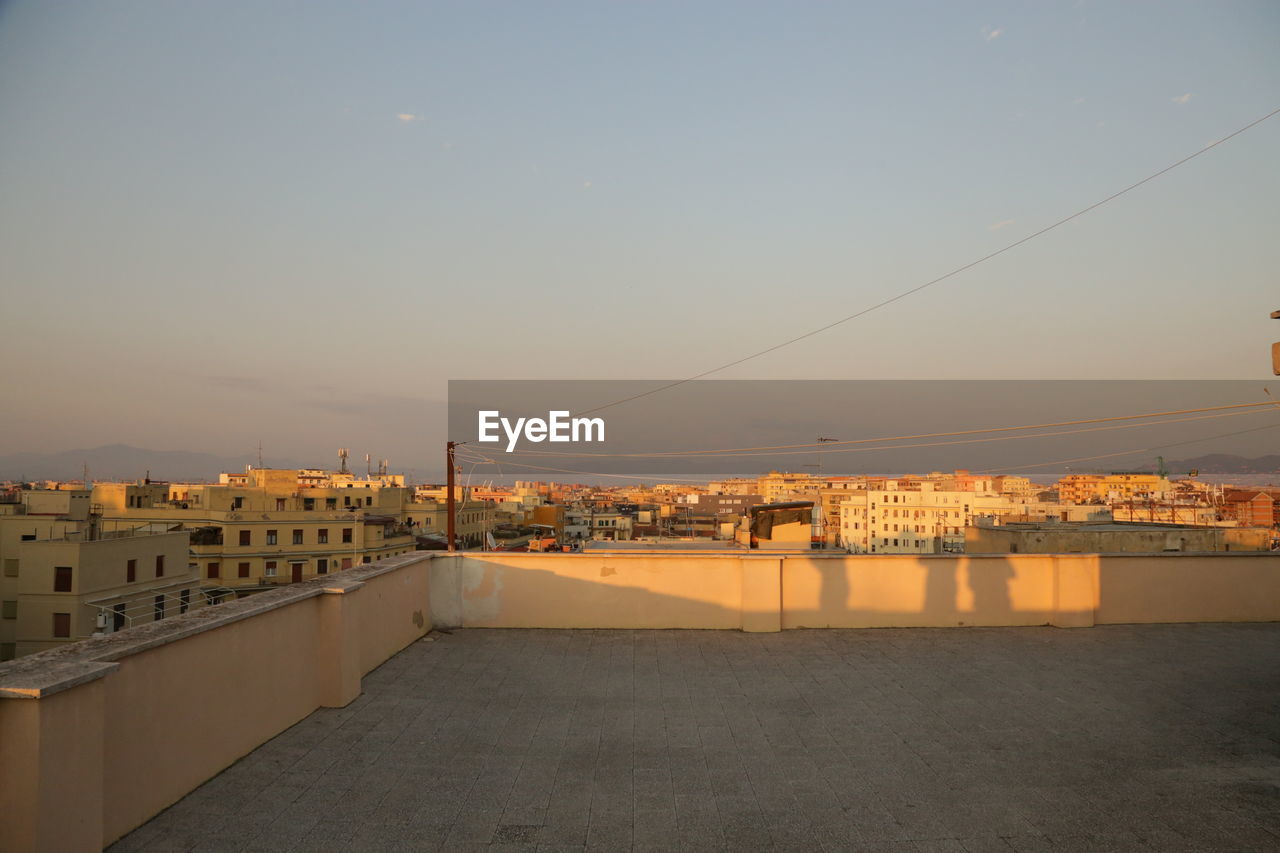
point(1115, 538)
point(62, 578)
point(263, 528)
point(1106, 488)
point(923, 521)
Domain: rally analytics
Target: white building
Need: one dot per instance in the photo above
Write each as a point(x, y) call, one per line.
point(927, 521)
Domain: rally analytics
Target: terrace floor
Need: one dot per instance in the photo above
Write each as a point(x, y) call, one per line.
point(1161, 737)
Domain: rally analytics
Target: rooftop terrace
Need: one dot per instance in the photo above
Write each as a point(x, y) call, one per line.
point(801, 701)
point(1160, 737)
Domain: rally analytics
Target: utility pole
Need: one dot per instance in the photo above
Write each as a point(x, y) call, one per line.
point(448, 500)
point(1275, 349)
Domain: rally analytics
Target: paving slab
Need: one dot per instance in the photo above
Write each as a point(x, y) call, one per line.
point(1153, 737)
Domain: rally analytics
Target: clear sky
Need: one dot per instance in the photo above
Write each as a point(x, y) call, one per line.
point(291, 222)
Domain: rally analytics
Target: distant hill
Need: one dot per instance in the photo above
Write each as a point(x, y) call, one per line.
point(1223, 463)
point(122, 462)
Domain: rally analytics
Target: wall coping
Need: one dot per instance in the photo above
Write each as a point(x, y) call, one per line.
point(51, 671)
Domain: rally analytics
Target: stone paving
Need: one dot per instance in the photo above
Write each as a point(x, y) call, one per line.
point(1162, 737)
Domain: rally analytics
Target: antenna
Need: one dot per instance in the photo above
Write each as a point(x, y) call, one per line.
point(368, 470)
point(343, 453)
point(259, 453)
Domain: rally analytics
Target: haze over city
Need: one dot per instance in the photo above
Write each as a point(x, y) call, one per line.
point(237, 223)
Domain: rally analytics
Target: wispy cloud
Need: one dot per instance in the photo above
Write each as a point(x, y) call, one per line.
point(1182, 99)
point(586, 185)
point(996, 226)
point(991, 33)
point(408, 117)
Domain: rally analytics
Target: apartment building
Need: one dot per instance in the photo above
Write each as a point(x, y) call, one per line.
point(262, 528)
point(62, 578)
point(923, 521)
point(1120, 486)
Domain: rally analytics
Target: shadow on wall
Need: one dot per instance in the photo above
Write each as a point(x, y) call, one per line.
point(887, 591)
point(585, 591)
point(854, 591)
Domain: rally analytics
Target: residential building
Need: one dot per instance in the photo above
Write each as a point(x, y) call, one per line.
point(60, 573)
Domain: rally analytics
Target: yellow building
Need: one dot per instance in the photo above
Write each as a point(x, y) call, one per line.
point(60, 572)
point(1105, 488)
point(263, 528)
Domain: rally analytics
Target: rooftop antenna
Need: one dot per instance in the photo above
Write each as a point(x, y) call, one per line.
point(259, 453)
point(343, 453)
point(368, 469)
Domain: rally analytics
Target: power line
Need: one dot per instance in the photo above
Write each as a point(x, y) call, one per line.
point(665, 479)
point(835, 446)
point(874, 447)
point(904, 294)
point(1128, 452)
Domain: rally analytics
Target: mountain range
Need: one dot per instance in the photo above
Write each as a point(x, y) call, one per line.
point(122, 462)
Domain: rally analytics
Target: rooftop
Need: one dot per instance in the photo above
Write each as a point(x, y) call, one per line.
point(1154, 737)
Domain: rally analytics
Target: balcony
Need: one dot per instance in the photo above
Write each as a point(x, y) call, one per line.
point(353, 730)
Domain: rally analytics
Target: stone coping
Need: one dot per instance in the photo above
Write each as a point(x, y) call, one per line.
point(51, 671)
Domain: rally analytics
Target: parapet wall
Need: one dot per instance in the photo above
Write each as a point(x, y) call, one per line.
point(97, 737)
point(762, 591)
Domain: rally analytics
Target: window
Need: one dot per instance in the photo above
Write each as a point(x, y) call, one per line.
point(184, 601)
point(271, 537)
point(237, 503)
point(11, 567)
point(62, 625)
point(159, 608)
point(346, 500)
point(9, 610)
point(297, 537)
point(117, 617)
point(367, 559)
point(160, 566)
point(131, 571)
point(308, 504)
point(346, 534)
point(368, 501)
point(246, 537)
point(322, 536)
point(242, 570)
point(280, 504)
point(346, 562)
point(330, 503)
point(62, 579)
point(215, 570)
point(322, 567)
point(271, 569)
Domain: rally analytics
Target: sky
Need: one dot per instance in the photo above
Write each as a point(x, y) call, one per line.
point(225, 223)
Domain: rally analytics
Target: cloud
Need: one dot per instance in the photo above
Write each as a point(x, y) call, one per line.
point(1182, 99)
point(586, 185)
point(1078, 101)
point(992, 33)
point(996, 226)
point(408, 117)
